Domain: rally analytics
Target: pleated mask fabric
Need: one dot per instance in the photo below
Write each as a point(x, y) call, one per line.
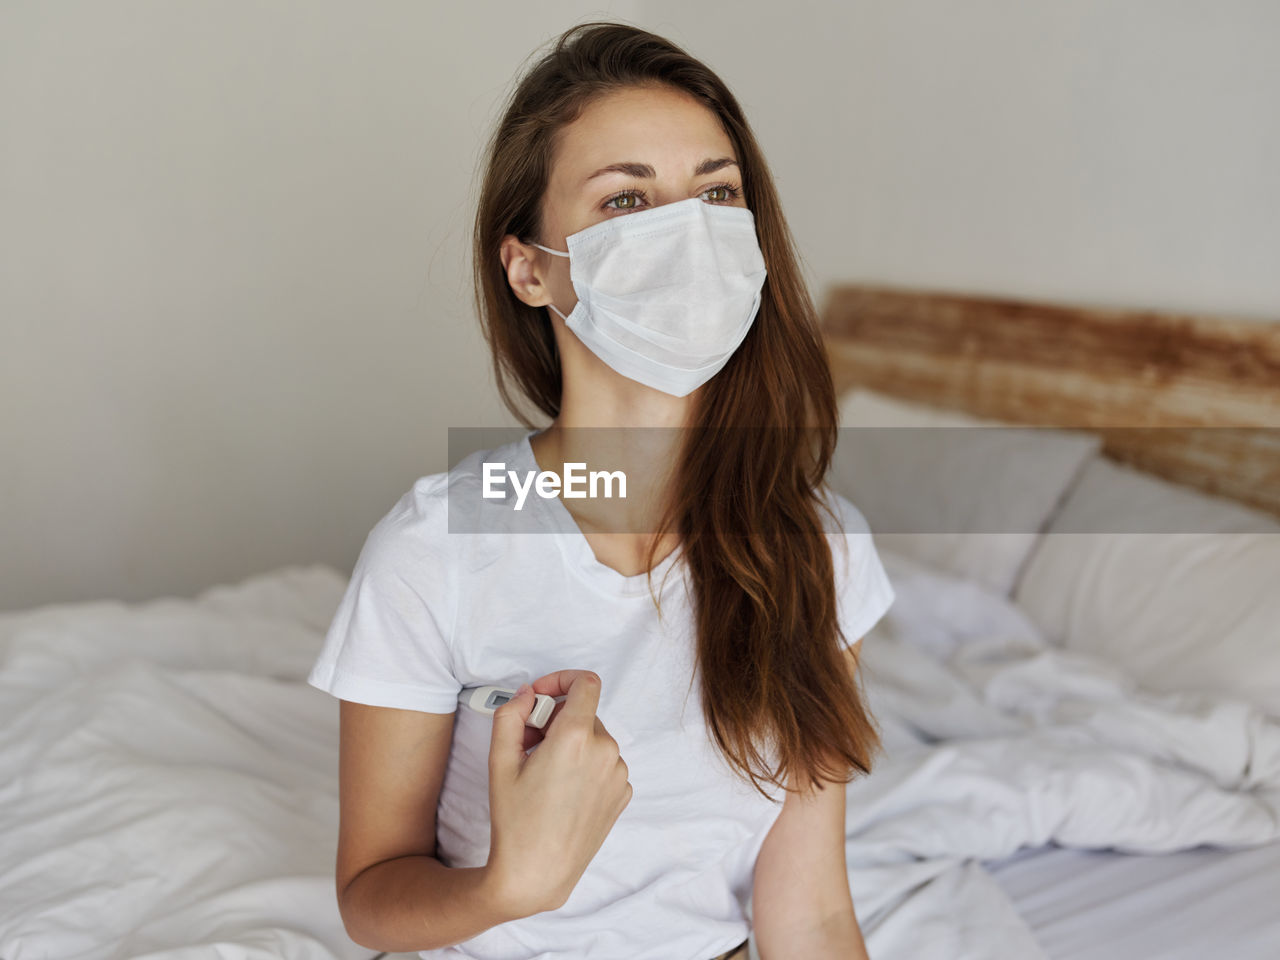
point(666, 295)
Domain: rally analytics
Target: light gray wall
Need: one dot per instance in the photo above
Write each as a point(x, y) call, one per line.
point(234, 279)
point(1109, 152)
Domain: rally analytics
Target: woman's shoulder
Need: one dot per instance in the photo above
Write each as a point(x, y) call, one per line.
point(416, 528)
point(840, 517)
point(864, 592)
point(444, 517)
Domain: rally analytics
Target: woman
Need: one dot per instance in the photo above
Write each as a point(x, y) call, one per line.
point(701, 633)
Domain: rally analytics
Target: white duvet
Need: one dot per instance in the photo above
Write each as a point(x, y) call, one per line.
point(168, 780)
point(997, 741)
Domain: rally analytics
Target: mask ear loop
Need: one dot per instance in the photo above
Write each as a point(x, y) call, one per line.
point(549, 250)
point(558, 254)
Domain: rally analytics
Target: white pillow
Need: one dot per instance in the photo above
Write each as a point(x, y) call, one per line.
point(966, 502)
point(1194, 609)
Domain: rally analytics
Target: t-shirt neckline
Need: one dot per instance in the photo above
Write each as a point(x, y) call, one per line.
point(577, 551)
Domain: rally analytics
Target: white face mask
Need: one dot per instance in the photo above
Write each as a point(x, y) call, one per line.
point(666, 295)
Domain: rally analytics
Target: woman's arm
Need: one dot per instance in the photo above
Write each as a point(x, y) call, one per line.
point(393, 894)
point(800, 901)
point(550, 812)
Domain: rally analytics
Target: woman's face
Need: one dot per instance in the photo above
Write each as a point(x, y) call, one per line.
point(675, 137)
point(665, 145)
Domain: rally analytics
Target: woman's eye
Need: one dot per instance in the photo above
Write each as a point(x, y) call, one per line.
point(629, 199)
point(626, 200)
point(730, 193)
point(631, 195)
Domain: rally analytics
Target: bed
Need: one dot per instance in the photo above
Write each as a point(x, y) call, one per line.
point(1070, 771)
point(1101, 573)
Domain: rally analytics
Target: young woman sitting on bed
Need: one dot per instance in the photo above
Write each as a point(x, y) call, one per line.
point(688, 792)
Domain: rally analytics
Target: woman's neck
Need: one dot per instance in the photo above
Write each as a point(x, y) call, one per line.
point(638, 432)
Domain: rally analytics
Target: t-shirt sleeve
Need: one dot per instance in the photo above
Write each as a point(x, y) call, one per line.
point(389, 643)
point(863, 591)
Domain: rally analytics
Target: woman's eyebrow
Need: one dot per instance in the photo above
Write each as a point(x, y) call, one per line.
point(644, 171)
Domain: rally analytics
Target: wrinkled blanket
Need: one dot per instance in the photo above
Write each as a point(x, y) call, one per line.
point(996, 740)
point(168, 781)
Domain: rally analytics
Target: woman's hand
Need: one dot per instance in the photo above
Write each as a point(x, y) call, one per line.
point(550, 809)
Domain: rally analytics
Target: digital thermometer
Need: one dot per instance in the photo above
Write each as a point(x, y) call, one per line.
point(487, 699)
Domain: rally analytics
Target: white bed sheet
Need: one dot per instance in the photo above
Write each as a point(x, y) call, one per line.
point(997, 741)
point(168, 788)
point(168, 781)
point(1102, 905)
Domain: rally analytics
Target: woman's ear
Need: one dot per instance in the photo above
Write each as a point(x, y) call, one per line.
point(523, 267)
point(527, 269)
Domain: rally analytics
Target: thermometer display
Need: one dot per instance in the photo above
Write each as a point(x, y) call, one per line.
point(488, 698)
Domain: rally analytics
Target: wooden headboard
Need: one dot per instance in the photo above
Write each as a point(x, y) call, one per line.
point(1194, 399)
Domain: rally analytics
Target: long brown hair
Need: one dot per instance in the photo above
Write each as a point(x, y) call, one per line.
point(774, 680)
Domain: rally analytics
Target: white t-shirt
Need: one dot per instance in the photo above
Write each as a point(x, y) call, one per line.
point(429, 612)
